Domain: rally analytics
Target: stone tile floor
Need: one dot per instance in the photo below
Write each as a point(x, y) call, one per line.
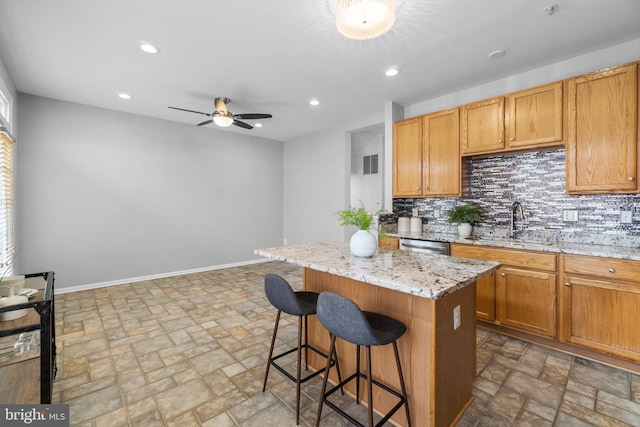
point(190, 351)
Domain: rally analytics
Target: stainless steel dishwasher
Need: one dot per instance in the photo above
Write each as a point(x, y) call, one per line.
point(425, 246)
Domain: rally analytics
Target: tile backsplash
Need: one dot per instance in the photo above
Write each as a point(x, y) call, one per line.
point(537, 181)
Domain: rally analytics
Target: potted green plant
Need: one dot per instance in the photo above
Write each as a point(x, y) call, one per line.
point(363, 243)
point(465, 216)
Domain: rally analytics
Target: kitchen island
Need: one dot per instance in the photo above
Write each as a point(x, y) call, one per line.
point(421, 290)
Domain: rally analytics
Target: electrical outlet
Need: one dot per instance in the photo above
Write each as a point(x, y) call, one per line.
point(626, 217)
point(456, 317)
point(570, 216)
point(285, 241)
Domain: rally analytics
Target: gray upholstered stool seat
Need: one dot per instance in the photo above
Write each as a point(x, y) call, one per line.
point(344, 319)
point(301, 304)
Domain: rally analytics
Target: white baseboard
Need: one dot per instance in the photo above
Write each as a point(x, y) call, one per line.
point(65, 290)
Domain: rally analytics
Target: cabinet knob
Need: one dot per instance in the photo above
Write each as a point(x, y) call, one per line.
point(612, 270)
point(512, 139)
point(567, 284)
point(388, 243)
point(631, 178)
point(418, 188)
point(502, 275)
point(500, 140)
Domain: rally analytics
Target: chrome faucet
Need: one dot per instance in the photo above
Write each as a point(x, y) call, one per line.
point(513, 231)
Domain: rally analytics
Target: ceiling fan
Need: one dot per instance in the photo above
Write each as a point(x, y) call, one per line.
point(223, 117)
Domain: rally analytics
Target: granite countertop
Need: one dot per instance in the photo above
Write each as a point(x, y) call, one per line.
point(588, 249)
point(424, 275)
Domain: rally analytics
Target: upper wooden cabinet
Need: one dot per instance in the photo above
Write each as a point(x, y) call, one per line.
point(602, 143)
point(441, 153)
point(534, 117)
point(483, 126)
point(426, 156)
point(529, 118)
point(407, 158)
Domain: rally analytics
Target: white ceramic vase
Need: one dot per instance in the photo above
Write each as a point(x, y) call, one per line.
point(363, 244)
point(464, 230)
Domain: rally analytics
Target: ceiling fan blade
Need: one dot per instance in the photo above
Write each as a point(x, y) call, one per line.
point(242, 124)
point(206, 122)
point(190, 111)
point(253, 116)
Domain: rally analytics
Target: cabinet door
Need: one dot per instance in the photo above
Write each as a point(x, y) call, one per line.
point(407, 158)
point(441, 153)
point(534, 116)
point(483, 126)
point(526, 300)
point(602, 138)
point(601, 315)
point(486, 298)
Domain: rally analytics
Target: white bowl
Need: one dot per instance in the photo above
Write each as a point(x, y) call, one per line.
point(13, 314)
point(17, 282)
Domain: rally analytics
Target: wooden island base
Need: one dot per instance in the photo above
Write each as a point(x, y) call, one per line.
point(438, 362)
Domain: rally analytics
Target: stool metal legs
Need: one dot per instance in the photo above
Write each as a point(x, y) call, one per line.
point(298, 379)
point(370, 382)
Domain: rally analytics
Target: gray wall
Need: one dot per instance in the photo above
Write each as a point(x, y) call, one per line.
point(367, 189)
point(317, 183)
point(105, 196)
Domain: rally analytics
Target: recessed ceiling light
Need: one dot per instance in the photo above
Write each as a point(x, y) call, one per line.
point(496, 54)
point(124, 95)
point(551, 9)
point(391, 72)
point(258, 125)
point(314, 102)
point(148, 48)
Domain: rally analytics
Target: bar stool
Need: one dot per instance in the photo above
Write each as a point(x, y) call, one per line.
point(344, 319)
point(301, 304)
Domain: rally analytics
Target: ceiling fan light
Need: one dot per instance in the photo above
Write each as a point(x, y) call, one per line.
point(364, 19)
point(223, 121)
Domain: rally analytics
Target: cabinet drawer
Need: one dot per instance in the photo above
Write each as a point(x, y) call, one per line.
point(606, 268)
point(389, 242)
point(512, 257)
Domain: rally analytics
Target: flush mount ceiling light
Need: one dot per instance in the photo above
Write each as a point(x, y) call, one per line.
point(365, 19)
point(123, 95)
point(148, 48)
point(314, 102)
point(392, 72)
point(258, 125)
point(496, 54)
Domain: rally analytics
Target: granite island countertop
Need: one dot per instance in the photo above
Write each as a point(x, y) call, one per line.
point(586, 249)
point(424, 275)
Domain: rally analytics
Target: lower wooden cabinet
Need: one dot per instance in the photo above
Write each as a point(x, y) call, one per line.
point(486, 297)
point(600, 305)
point(389, 242)
point(586, 305)
point(521, 294)
point(526, 300)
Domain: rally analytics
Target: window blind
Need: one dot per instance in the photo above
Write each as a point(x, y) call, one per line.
point(7, 238)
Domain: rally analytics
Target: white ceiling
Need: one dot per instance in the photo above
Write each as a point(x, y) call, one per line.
point(273, 56)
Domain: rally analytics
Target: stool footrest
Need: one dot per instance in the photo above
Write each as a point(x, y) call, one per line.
point(374, 382)
point(308, 377)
